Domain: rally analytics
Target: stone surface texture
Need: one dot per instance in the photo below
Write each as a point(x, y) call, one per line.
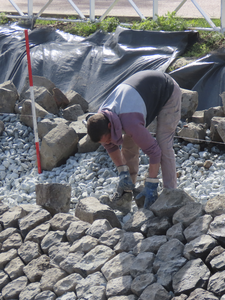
point(65, 256)
point(175, 250)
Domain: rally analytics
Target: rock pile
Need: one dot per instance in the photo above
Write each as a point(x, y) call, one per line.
point(175, 251)
point(62, 132)
point(59, 117)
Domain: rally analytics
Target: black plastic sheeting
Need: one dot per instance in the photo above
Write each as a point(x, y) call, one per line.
point(207, 77)
point(91, 66)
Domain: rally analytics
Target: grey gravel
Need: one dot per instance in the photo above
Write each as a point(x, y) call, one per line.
point(94, 174)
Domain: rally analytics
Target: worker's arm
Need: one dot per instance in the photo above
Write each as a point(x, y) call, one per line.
point(134, 125)
point(117, 158)
point(153, 170)
point(119, 161)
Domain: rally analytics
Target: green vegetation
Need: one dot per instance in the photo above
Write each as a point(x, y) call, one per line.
point(166, 23)
point(208, 40)
point(3, 18)
point(86, 29)
point(83, 29)
point(45, 23)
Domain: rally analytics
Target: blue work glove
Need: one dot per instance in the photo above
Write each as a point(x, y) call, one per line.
point(149, 192)
point(125, 181)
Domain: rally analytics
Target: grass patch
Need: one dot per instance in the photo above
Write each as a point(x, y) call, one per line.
point(45, 23)
point(166, 23)
point(208, 42)
point(3, 18)
point(85, 29)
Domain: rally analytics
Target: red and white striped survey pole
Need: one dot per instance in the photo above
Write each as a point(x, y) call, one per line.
point(33, 102)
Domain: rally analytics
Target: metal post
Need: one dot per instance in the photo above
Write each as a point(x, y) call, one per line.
point(30, 8)
point(76, 9)
point(44, 8)
point(207, 18)
point(155, 9)
point(92, 10)
point(204, 14)
point(222, 17)
point(180, 5)
point(137, 10)
point(16, 7)
point(108, 10)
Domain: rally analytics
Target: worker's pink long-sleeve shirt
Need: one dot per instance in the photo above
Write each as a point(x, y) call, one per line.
point(133, 105)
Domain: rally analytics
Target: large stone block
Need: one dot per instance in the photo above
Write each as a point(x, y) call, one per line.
point(212, 112)
point(44, 98)
point(60, 99)
point(215, 123)
point(189, 103)
point(216, 205)
point(198, 117)
point(46, 125)
point(75, 98)
point(37, 81)
point(221, 129)
point(72, 112)
point(170, 201)
point(79, 128)
point(57, 146)
point(90, 209)
point(193, 133)
point(54, 197)
point(32, 220)
point(26, 112)
point(86, 145)
point(8, 97)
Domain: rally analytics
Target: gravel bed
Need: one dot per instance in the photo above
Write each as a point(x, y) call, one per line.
point(94, 174)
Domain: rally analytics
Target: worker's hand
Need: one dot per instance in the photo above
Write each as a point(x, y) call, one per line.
point(125, 182)
point(149, 192)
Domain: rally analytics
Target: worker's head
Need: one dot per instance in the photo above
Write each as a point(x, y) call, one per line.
point(99, 128)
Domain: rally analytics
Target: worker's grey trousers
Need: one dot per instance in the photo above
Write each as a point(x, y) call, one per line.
point(167, 121)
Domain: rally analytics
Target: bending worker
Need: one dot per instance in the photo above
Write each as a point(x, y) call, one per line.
point(122, 120)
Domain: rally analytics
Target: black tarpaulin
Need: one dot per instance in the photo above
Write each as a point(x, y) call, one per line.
point(91, 66)
point(206, 76)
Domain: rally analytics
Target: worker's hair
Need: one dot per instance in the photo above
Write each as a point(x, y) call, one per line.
point(97, 126)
